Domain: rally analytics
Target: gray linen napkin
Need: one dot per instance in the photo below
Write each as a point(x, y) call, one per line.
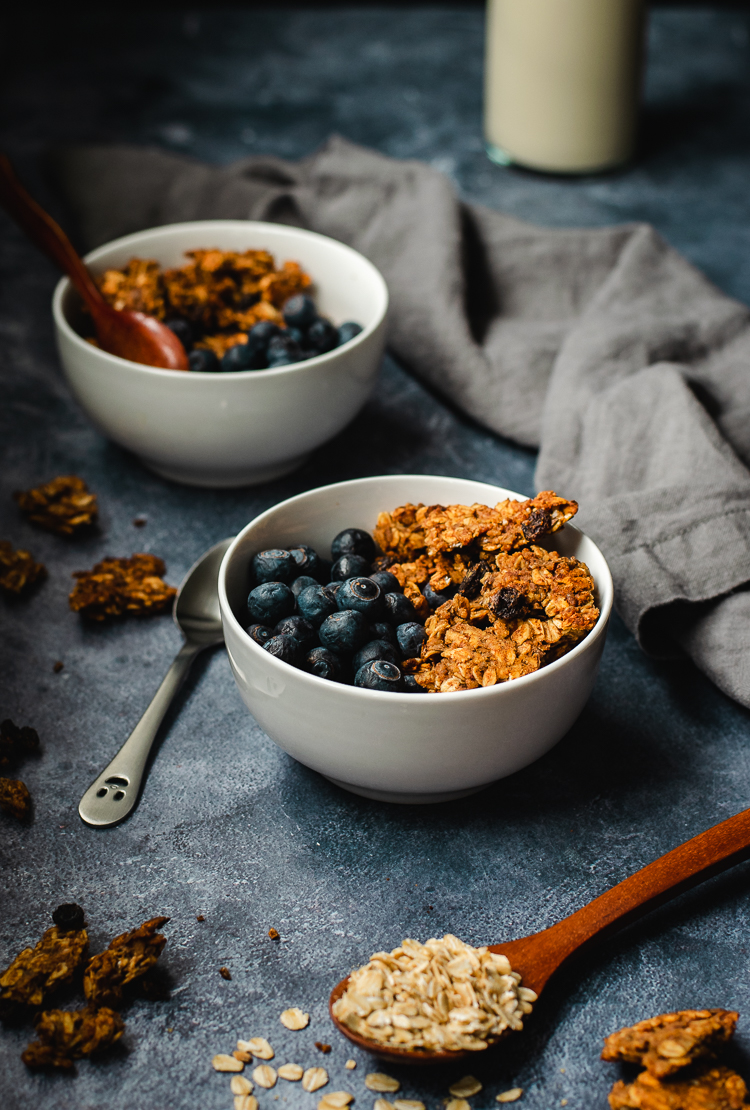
point(605, 348)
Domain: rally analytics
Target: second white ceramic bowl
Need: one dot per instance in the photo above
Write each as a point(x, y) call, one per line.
point(401, 747)
point(239, 428)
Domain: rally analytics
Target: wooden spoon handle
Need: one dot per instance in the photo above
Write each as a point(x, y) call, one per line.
point(707, 854)
point(46, 234)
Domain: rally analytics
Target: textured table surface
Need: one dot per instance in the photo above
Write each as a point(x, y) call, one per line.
point(229, 827)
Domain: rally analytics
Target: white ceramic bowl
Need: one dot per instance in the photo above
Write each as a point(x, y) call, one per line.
point(401, 747)
point(239, 428)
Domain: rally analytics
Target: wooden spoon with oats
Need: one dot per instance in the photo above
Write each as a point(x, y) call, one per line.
point(537, 957)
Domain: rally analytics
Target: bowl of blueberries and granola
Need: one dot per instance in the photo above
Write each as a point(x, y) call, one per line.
point(284, 331)
point(413, 637)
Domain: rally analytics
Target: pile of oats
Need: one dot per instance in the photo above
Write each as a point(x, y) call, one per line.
point(441, 996)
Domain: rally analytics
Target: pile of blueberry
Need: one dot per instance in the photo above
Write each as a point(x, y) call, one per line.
point(358, 628)
point(306, 335)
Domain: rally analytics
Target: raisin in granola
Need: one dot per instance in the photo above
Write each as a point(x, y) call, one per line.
point(36, 972)
point(65, 505)
point(68, 1035)
point(669, 1042)
point(18, 570)
point(717, 1088)
point(128, 957)
point(118, 587)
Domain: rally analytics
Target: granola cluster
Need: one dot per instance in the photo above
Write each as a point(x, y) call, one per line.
point(18, 570)
point(222, 293)
point(443, 995)
point(128, 957)
point(119, 587)
point(16, 745)
point(64, 506)
point(516, 605)
point(678, 1051)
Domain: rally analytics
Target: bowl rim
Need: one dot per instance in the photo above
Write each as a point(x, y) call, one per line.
point(605, 589)
point(64, 284)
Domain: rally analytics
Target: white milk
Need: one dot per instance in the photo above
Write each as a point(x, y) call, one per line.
point(562, 82)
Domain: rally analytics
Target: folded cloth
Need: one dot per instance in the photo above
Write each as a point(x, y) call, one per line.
point(605, 348)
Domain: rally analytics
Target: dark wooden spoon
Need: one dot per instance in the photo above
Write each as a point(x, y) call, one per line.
point(132, 335)
point(537, 957)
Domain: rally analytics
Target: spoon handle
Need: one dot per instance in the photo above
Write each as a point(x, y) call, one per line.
point(707, 854)
point(46, 234)
point(114, 793)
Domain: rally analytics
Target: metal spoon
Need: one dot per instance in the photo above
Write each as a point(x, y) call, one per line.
point(537, 957)
point(129, 334)
point(114, 793)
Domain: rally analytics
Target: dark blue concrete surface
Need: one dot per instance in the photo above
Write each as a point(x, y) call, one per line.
point(229, 826)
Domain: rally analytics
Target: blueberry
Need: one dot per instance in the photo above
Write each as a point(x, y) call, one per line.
point(203, 362)
point(434, 599)
point(302, 631)
point(322, 336)
point(375, 649)
point(260, 335)
point(334, 587)
point(269, 602)
point(182, 328)
point(379, 674)
point(324, 663)
point(299, 311)
point(315, 603)
point(411, 686)
point(239, 357)
point(410, 638)
point(353, 541)
point(301, 583)
point(309, 562)
point(382, 631)
point(282, 351)
point(285, 648)
point(348, 331)
point(361, 594)
point(274, 565)
point(398, 608)
point(388, 582)
point(344, 632)
point(259, 633)
point(349, 566)
point(296, 336)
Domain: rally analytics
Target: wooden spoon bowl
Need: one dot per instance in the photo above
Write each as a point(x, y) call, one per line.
point(537, 957)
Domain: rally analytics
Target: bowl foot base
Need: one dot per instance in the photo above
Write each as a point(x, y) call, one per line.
point(225, 479)
point(407, 799)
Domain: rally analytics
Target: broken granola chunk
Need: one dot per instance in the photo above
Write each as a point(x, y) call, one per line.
point(118, 587)
point(37, 971)
point(16, 744)
point(15, 799)
point(128, 957)
point(68, 1035)
point(65, 505)
point(18, 571)
point(669, 1042)
point(717, 1088)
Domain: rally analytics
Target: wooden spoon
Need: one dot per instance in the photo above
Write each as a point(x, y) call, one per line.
point(537, 957)
point(132, 335)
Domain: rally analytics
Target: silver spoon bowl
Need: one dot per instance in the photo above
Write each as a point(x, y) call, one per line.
point(114, 793)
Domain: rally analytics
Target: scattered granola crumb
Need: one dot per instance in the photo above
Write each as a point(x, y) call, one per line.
point(350, 1064)
point(273, 934)
point(314, 1078)
point(295, 1018)
point(466, 1087)
point(246, 1057)
point(563, 1102)
point(67, 1035)
point(322, 1047)
point(379, 1081)
point(225, 973)
point(717, 1088)
point(58, 666)
point(18, 571)
point(64, 505)
point(265, 1076)
point(119, 587)
point(509, 1096)
point(128, 957)
point(15, 799)
point(291, 1072)
point(240, 1085)
point(139, 521)
point(36, 972)
point(224, 1062)
point(666, 1043)
point(200, 917)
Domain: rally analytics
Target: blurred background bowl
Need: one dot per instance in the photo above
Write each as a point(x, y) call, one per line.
point(230, 429)
point(401, 747)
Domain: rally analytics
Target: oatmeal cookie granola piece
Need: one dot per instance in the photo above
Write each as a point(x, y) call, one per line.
point(64, 506)
point(37, 971)
point(128, 957)
point(669, 1042)
point(68, 1035)
point(18, 571)
point(118, 587)
point(16, 744)
point(717, 1088)
point(15, 799)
